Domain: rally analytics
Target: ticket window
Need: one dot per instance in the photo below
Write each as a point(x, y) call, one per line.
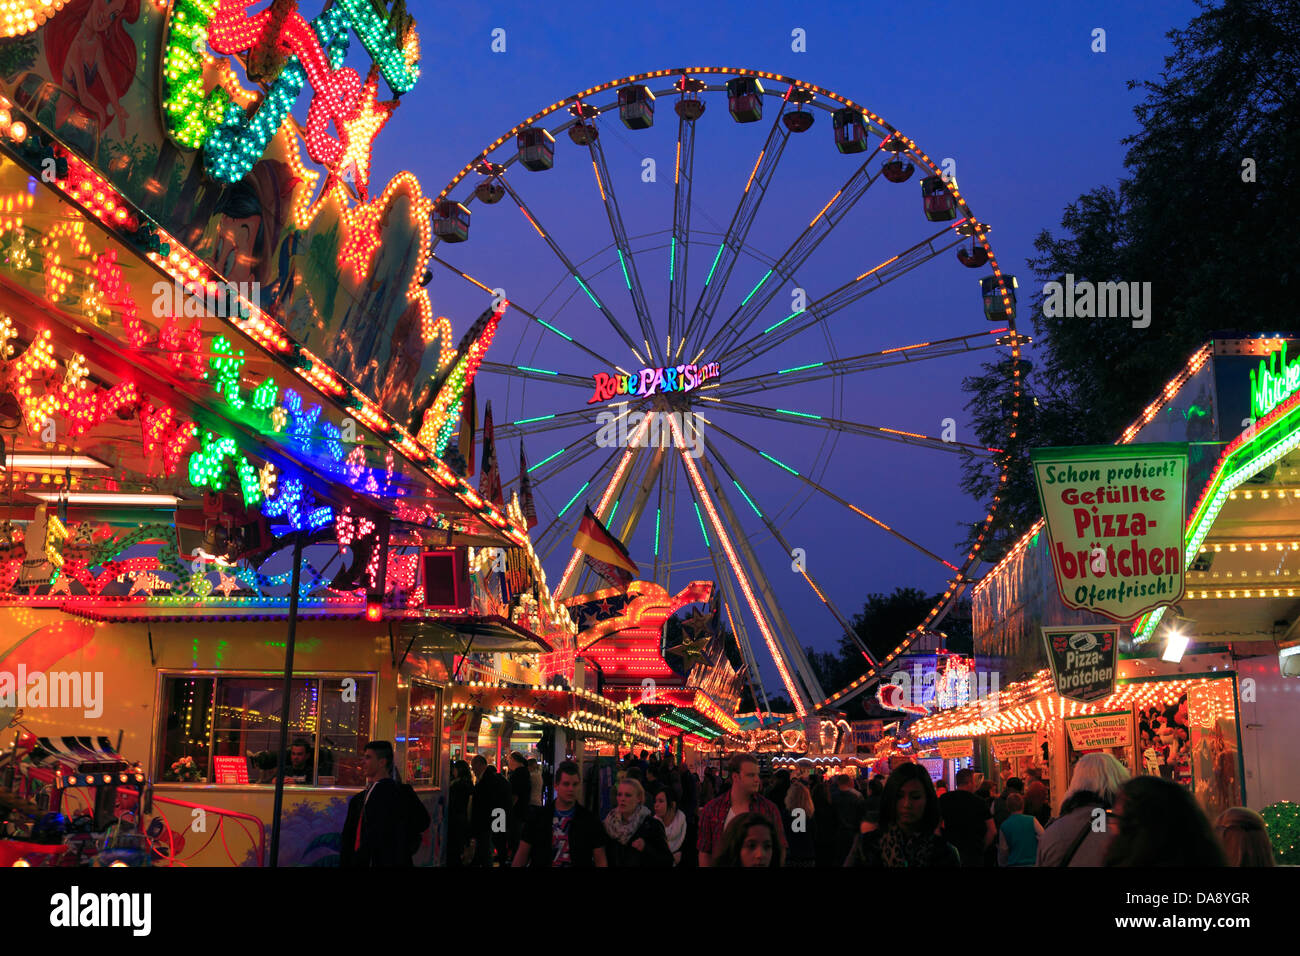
point(223, 728)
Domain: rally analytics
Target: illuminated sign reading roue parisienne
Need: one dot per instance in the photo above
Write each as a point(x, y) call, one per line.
point(651, 381)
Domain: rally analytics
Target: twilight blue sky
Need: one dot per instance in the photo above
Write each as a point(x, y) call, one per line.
point(1012, 92)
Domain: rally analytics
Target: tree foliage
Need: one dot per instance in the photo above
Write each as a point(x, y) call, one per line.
point(1215, 242)
point(882, 624)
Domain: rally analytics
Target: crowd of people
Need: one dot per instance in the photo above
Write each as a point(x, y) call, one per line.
point(666, 814)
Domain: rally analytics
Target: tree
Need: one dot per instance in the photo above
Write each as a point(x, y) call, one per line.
point(882, 624)
point(1202, 215)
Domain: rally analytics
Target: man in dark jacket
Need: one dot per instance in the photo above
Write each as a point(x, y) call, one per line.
point(382, 818)
point(564, 833)
point(848, 809)
point(490, 812)
point(1000, 811)
point(967, 823)
point(521, 789)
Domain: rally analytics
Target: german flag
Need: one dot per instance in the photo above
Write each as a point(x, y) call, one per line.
point(605, 553)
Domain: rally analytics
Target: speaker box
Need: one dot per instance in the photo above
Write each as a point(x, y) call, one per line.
point(446, 579)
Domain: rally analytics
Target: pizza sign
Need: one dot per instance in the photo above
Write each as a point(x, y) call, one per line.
point(1114, 516)
point(1083, 661)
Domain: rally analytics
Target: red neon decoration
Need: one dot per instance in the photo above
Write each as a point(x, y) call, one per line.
point(339, 97)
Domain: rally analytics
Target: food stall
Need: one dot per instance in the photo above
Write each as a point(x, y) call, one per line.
point(1201, 690)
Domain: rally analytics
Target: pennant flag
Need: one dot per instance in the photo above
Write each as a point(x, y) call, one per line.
point(604, 553)
point(489, 482)
point(526, 502)
point(468, 422)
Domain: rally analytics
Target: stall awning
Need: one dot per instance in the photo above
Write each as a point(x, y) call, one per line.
point(1027, 705)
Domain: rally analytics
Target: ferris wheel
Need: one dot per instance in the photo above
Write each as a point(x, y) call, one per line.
point(691, 328)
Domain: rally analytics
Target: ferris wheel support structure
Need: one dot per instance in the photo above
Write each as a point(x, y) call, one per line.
point(788, 640)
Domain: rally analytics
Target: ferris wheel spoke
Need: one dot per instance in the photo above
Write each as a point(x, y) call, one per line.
point(820, 311)
point(787, 644)
point(857, 428)
point(787, 639)
point(558, 525)
point(542, 423)
point(746, 212)
point(631, 277)
point(568, 264)
point(834, 497)
point(539, 473)
point(831, 215)
point(669, 520)
point(536, 374)
point(564, 588)
point(683, 183)
point(869, 361)
point(723, 580)
point(515, 307)
point(647, 483)
point(798, 695)
point(785, 545)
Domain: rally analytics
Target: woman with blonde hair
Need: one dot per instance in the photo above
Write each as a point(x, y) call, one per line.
point(800, 823)
point(1084, 831)
point(1244, 836)
point(636, 838)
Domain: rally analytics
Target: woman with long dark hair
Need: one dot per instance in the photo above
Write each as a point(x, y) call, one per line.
point(1160, 824)
point(909, 815)
point(664, 804)
point(749, 840)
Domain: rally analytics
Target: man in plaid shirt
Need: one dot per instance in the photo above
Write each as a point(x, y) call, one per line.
point(743, 797)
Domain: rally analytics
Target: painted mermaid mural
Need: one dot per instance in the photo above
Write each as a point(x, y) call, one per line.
point(92, 56)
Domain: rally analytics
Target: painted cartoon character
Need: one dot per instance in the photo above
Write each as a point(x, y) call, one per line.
point(406, 350)
point(92, 56)
point(251, 223)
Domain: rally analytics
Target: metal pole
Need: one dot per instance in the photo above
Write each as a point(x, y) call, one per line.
point(284, 704)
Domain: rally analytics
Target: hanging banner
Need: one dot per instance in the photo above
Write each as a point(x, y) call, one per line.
point(1083, 661)
point(956, 749)
point(866, 734)
point(1006, 746)
point(1100, 730)
point(1115, 518)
